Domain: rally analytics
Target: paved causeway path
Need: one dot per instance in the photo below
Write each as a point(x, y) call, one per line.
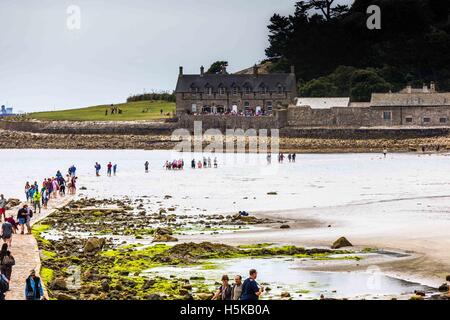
point(26, 252)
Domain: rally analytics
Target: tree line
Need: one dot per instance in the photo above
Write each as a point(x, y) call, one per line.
point(335, 54)
point(154, 96)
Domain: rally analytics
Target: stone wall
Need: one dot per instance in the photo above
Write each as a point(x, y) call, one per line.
point(88, 127)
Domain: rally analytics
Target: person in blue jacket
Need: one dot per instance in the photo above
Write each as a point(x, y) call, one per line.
point(250, 289)
point(33, 287)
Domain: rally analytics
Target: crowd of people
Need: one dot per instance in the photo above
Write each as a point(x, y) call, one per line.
point(37, 197)
point(249, 290)
point(281, 156)
point(206, 163)
point(174, 165)
point(110, 169)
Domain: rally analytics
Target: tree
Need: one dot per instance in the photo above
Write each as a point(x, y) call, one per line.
point(217, 67)
point(366, 82)
point(321, 87)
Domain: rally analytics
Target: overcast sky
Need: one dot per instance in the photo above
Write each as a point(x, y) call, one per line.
point(121, 47)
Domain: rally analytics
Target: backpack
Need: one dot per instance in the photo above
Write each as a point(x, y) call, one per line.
point(4, 285)
point(8, 261)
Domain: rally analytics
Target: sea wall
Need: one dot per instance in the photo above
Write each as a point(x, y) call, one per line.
point(88, 127)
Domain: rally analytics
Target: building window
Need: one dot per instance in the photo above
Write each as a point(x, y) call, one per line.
point(280, 89)
point(208, 90)
point(387, 115)
point(194, 90)
point(264, 89)
point(426, 120)
point(194, 108)
point(235, 91)
point(269, 106)
point(222, 90)
point(248, 90)
point(443, 120)
point(409, 119)
point(246, 105)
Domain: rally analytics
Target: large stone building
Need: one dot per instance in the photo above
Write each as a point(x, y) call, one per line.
point(227, 93)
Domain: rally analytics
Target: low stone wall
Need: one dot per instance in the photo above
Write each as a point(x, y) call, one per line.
point(364, 133)
point(88, 127)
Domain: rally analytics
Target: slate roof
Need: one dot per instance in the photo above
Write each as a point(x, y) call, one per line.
point(271, 81)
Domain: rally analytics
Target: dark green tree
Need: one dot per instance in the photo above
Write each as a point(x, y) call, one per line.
point(217, 67)
point(366, 82)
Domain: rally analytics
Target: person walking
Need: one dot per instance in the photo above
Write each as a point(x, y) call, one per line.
point(250, 289)
point(7, 232)
point(236, 289)
point(4, 286)
point(97, 169)
point(2, 207)
point(109, 167)
point(146, 164)
point(115, 169)
point(6, 262)
point(37, 200)
point(22, 218)
point(224, 291)
point(27, 191)
point(33, 287)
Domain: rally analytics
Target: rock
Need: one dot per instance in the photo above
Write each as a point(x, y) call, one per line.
point(58, 284)
point(416, 297)
point(183, 292)
point(90, 289)
point(93, 245)
point(148, 284)
point(164, 238)
point(105, 285)
point(341, 243)
point(12, 202)
point(153, 297)
point(204, 296)
point(163, 231)
point(285, 226)
point(285, 295)
point(83, 188)
point(187, 287)
point(443, 287)
point(419, 293)
point(273, 193)
point(447, 278)
point(64, 296)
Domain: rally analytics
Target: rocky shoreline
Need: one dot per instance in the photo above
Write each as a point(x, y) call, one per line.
point(25, 140)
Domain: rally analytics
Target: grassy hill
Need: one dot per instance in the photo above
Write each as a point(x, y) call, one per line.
point(142, 110)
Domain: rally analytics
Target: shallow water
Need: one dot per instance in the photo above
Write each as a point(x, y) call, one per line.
point(284, 275)
point(241, 182)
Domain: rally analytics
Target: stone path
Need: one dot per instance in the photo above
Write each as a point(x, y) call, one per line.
point(26, 252)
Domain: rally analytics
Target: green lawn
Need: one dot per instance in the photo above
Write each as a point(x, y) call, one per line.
point(142, 110)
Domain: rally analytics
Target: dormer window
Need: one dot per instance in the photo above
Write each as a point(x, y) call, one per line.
point(248, 89)
point(235, 90)
point(280, 88)
point(194, 89)
point(222, 90)
point(264, 89)
point(208, 90)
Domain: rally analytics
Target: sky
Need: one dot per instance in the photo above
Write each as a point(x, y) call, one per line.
point(58, 54)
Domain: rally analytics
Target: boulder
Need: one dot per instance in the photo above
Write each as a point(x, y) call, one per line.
point(59, 284)
point(11, 203)
point(341, 243)
point(64, 296)
point(93, 245)
point(447, 278)
point(164, 238)
point(285, 226)
point(285, 295)
point(443, 287)
point(163, 231)
point(204, 296)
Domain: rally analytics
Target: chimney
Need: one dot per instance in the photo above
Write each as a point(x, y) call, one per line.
point(181, 72)
point(202, 70)
point(432, 87)
point(292, 69)
point(255, 70)
point(408, 89)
